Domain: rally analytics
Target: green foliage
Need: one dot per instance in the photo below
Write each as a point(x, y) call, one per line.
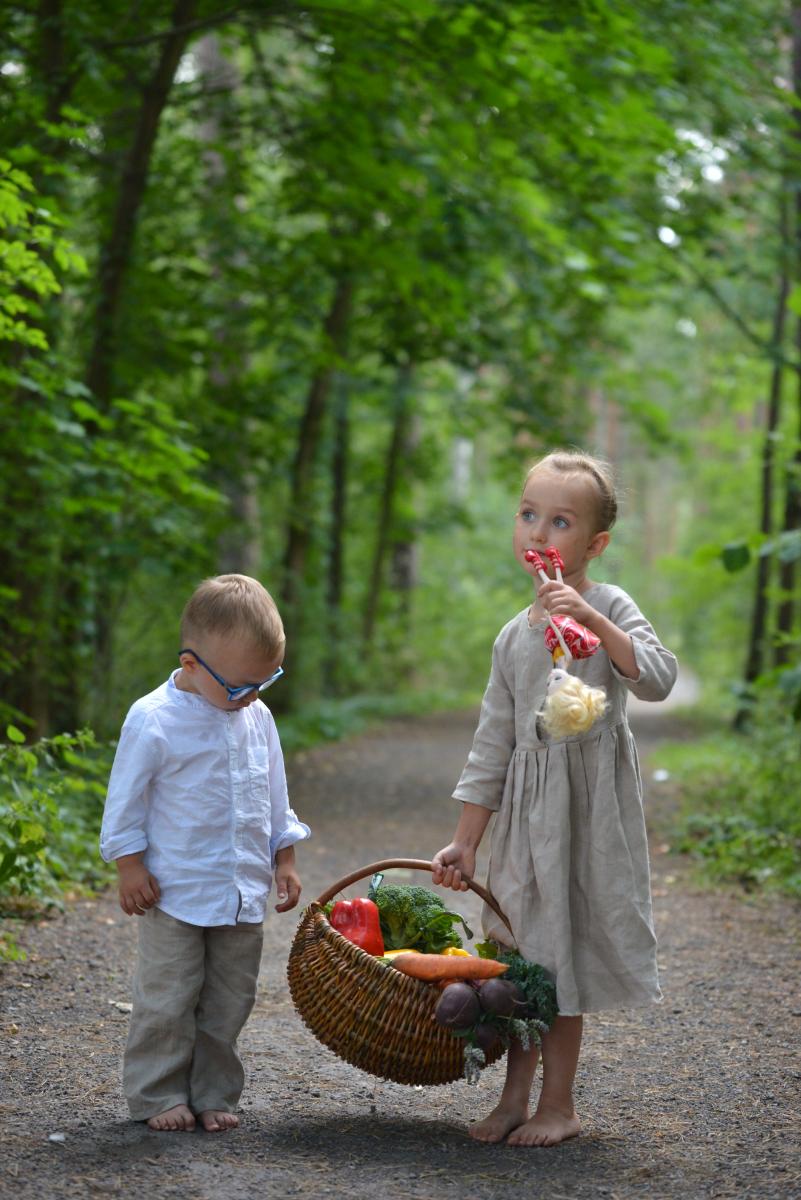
point(537, 988)
point(735, 556)
point(330, 720)
point(493, 197)
point(738, 849)
point(739, 816)
point(28, 240)
point(784, 548)
point(51, 805)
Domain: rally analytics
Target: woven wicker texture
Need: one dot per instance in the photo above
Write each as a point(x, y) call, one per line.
point(369, 1014)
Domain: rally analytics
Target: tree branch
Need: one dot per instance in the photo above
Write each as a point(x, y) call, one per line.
point(768, 349)
point(147, 39)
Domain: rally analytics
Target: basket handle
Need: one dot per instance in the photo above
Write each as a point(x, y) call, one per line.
point(416, 864)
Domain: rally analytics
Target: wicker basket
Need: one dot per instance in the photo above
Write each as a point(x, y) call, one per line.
point(374, 1017)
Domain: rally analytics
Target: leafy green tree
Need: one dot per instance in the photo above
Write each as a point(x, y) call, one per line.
point(287, 211)
point(37, 435)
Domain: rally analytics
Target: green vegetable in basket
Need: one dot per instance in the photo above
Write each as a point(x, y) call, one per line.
point(532, 980)
point(414, 917)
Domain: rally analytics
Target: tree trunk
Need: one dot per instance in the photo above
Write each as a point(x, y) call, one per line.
point(115, 255)
point(300, 529)
point(336, 561)
point(758, 639)
point(239, 548)
point(788, 571)
point(404, 567)
point(384, 533)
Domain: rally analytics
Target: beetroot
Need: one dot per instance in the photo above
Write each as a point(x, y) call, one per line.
point(502, 998)
point(487, 1038)
point(458, 1006)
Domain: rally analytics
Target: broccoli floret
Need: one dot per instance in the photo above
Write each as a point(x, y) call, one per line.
point(414, 917)
point(404, 913)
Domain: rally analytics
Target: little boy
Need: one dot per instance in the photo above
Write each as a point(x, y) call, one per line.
point(197, 819)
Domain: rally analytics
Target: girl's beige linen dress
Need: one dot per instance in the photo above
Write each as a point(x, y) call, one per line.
point(568, 852)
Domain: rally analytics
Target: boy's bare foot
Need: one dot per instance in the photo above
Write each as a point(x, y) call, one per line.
point(178, 1119)
point(214, 1121)
point(501, 1120)
point(547, 1127)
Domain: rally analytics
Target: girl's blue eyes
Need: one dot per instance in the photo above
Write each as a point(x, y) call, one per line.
point(560, 522)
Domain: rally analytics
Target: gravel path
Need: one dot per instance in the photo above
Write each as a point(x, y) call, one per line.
point(698, 1097)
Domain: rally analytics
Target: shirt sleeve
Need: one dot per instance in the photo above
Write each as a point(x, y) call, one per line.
point(484, 775)
point(138, 757)
point(657, 666)
point(285, 828)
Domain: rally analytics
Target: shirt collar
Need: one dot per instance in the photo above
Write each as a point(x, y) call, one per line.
point(193, 700)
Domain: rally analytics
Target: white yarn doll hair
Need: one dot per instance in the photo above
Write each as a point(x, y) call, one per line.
point(571, 706)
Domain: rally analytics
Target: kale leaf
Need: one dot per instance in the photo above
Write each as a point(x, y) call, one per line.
point(534, 983)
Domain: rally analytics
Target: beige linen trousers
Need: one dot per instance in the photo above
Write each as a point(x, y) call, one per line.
point(568, 850)
point(194, 989)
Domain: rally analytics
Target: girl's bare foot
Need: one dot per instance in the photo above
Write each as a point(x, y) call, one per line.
point(547, 1127)
point(178, 1119)
point(214, 1121)
point(501, 1120)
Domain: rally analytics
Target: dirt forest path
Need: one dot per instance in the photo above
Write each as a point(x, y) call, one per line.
point(698, 1097)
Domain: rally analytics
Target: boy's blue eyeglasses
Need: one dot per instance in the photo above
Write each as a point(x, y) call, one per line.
point(235, 693)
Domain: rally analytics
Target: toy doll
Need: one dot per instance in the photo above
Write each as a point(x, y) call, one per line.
point(571, 706)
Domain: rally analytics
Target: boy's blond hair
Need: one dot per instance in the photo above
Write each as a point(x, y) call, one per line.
point(576, 462)
point(234, 604)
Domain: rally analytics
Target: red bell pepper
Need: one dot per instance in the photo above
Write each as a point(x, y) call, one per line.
point(358, 921)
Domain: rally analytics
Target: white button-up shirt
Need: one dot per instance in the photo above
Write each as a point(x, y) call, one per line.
point(202, 791)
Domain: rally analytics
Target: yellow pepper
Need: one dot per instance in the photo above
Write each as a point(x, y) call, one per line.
point(451, 950)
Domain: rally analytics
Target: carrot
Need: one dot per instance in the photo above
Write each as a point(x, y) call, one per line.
point(433, 967)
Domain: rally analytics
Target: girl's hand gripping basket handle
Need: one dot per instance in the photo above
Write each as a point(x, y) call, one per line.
point(414, 864)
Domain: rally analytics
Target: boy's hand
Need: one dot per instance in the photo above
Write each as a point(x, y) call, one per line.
point(138, 889)
point(450, 864)
point(287, 880)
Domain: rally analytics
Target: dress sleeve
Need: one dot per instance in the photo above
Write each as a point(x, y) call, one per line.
point(285, 828)
point(484, 775)
point(657, 666)
point(138, 757)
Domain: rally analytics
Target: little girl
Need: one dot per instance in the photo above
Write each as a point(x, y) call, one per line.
point(568, 854)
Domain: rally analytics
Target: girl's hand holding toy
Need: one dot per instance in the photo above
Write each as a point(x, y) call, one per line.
point(561, 598)
point(556, 595)
point(570, 705)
